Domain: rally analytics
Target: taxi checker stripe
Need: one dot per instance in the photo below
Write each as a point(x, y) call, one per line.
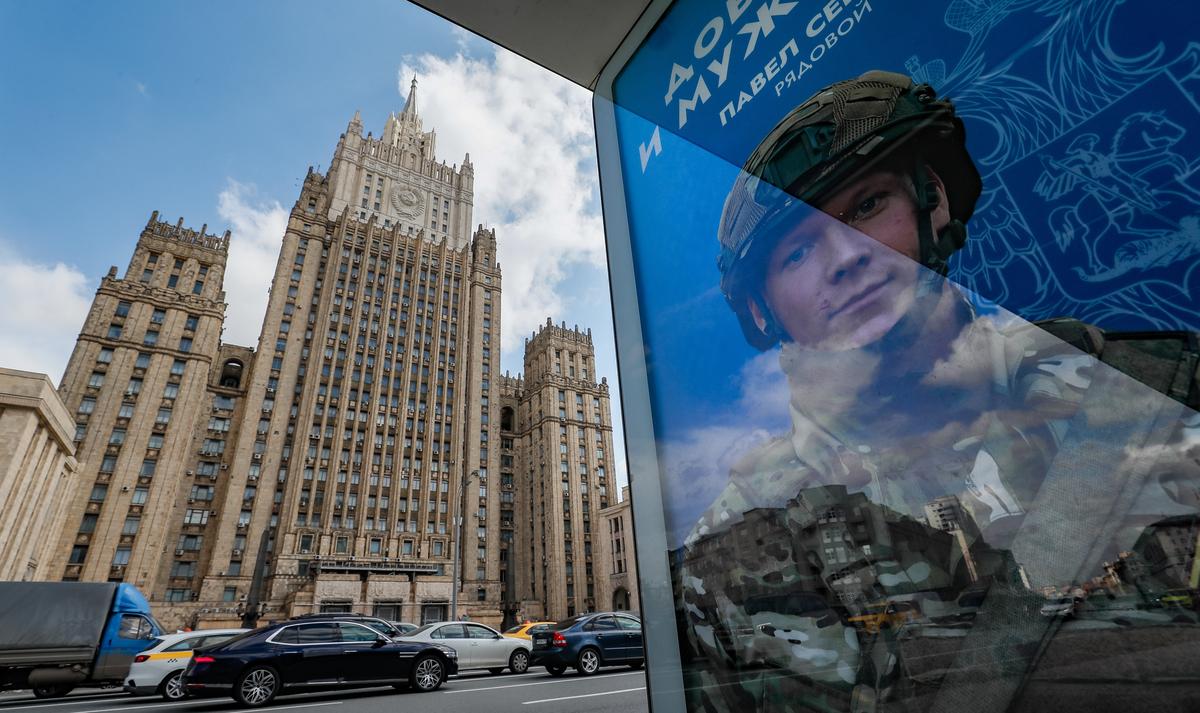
point(169, 655)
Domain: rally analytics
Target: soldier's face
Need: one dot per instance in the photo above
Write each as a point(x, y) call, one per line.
point(843, 277)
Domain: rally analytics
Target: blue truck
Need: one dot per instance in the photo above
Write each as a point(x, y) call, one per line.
point(55, 636)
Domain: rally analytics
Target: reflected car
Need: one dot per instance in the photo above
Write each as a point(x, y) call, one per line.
point(589, 641)
point(158, 669)
point(478, 646)
point(309, 655)
point(525, 631)
point(1176, 598)
point(1059, 606)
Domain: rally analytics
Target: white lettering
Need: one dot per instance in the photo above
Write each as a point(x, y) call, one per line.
point(721, 67)
point(699, 96)
point(743, 97)
point(735, 8)
point(727, 110)
point(715, 26)
point(757, 83)
point(679, 76)
point(845, 26)
point(833, 8)
point(866, 7)
point(654, 145)
point(771, 69)
point(816, 55)
point(767, 12)
point(815, 25)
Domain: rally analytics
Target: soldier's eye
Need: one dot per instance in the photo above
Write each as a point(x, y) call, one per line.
point(867, 207)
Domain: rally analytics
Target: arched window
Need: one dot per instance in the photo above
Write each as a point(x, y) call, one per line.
point(231, 374)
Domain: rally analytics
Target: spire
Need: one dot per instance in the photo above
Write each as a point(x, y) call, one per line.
point(410, 106)
point(355, 126)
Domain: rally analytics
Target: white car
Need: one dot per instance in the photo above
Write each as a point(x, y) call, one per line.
point(478, 646)
point(157, 669)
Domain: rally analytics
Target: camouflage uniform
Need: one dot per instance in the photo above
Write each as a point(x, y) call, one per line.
point(768, 596)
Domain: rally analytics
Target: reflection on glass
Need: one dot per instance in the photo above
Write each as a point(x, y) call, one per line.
point(965, 503)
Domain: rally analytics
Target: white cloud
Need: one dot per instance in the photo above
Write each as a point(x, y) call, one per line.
point(530, 136)
point(697, 462)
point(39, 334)
point(258, 226)
point(142, 89)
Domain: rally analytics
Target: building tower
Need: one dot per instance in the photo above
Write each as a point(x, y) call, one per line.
point(562, 438)
point(137, 384)
point(367, 401)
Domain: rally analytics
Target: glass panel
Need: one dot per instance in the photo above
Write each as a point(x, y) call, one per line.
point(942, 456)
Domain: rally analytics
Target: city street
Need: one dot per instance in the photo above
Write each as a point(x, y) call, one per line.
point(617, 689)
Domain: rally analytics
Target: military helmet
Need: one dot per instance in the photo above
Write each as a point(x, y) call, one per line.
point(843, 131)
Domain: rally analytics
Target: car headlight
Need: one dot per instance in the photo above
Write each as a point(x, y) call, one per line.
point(450, 653)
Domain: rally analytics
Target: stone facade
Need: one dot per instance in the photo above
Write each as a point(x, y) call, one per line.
point(557, 419)
point(326, 469)
point(37, 473)
point(622, 589)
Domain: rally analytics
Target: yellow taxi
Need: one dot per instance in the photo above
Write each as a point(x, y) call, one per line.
point(525, 631)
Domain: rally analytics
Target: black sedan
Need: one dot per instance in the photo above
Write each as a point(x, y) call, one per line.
point(589, 641)
point(314, 655)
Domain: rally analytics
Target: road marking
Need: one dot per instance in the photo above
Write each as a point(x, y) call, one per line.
point(148, 705)
point(585, 695)
point(308, 705)
point(539, 683)
point(67, 700)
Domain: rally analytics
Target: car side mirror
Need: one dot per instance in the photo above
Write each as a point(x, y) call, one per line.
point(497, 637)
point(379, 641)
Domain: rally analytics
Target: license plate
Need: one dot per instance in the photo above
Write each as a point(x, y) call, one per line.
point(540, 642)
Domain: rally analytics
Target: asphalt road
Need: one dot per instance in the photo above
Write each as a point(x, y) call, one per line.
point(610, 691)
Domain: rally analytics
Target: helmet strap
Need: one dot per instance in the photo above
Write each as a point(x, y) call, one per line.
point(770, 329)
point(935, 250)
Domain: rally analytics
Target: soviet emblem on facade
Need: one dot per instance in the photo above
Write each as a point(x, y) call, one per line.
point(406, 201)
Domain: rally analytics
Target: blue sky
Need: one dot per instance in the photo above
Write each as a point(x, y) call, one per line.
point(214, 111)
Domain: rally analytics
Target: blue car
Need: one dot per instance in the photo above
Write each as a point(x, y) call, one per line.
point(589, 641)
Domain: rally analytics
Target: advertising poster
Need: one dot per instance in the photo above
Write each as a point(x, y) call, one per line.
point(920, 348)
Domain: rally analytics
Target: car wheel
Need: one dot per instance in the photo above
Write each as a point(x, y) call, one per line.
point(637, 664)
point(256, 686)
point(428, 673)
point(556, 670)
point(519, 661)
point(52, 691)
point(172, 689)
point(588, 662)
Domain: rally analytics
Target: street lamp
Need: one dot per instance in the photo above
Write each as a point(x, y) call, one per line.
point(462, 515)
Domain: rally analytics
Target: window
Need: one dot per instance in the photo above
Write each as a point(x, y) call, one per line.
point(131, 525)
point(195, 517)
point(150, 339)
point(96, 380)
point(114, 332)
point(105, 356)
point(99, 492)
point(87, 405)
point(117, 437)
point(185, 344)
point(121, 557)
point(158, 316)
point(123, 309)
point(139, 496)
point(78, 554)
point(143, 361)
point(178, 366)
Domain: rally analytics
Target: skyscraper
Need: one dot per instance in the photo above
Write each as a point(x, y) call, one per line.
point(326, 469)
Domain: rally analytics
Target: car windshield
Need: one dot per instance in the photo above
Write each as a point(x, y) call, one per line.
point(422, 629)
point(235, 641)
point(516, 629)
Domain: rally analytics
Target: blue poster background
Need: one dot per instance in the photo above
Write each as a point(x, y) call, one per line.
point(1082, 117)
